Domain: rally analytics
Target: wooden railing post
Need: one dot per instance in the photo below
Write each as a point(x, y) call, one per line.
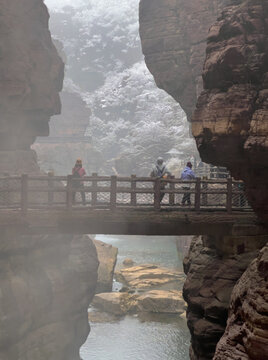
point(229, 195)
point(197, 194)
point(237, 195)
point(133, 191)
point(50, 191)
point(113, 192)
point(24, 194)
point(172, 195)
point(69, 194)
point(6, 195)
point(94, 195)
point(157, 194)
point(204, 195)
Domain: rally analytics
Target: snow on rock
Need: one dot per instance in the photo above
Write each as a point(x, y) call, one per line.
point(133, 122)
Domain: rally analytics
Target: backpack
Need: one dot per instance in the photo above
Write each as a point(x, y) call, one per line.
point(159, 172)
point(76, 175)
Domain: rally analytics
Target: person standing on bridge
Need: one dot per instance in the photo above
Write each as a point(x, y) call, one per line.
point(160, 171)
point(187, 175)
point(79, 172)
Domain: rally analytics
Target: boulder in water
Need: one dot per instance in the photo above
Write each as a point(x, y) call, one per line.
point(161, 301)
point(107, 255)
point(148, 276)
point(128, 262)
point(115, 303)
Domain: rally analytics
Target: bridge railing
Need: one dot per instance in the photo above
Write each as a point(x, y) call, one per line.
point(111, 192)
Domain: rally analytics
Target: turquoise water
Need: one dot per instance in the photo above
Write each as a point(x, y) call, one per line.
point(156, 337)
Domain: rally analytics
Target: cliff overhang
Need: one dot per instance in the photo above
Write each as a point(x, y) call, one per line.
point(212, 57)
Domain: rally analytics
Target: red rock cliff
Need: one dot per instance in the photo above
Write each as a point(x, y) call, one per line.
point(230, 122)
point(213, 267)
point(226, 42)
point(246, 334)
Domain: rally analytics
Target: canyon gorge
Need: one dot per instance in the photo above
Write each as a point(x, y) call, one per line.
point(211, 56)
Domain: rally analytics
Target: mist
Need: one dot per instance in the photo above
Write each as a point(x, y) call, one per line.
point(131, 121)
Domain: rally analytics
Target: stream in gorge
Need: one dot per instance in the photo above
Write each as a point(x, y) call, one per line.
point(156, 337)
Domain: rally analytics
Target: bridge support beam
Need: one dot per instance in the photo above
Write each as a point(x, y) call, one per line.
point(132, 222)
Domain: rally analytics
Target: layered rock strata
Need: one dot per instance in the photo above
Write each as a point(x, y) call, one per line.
point(153, 301)
point(230, 127)
point(146, 288)
point(230, 122)
point(213, 267)
point(246, 334)
point(146, 276)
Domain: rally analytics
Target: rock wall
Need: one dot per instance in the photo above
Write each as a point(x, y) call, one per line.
point(213, 267)
point(66, 141)
point(246, 335)
point(46, 282)
point(174, 35)
point(31, 74)
point(226, 42)
point(230, 122)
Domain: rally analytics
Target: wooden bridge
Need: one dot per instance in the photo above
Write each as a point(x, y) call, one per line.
point(123, 205)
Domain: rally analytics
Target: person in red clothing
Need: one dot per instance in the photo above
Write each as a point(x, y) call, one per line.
point(79, 172)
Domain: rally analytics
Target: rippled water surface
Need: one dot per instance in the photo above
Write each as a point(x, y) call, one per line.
point(158, 337)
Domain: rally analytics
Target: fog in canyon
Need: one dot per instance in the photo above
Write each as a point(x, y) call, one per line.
point(109, 98)
point(116, 119)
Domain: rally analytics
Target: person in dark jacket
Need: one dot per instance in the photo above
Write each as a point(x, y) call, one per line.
point(78, 172)
point(187, 175)
point(160, 171)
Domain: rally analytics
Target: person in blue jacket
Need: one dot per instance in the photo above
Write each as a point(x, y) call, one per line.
point(186, 175)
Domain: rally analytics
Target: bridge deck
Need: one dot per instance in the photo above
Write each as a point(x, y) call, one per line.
point(132, 222)
point(123, 205)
